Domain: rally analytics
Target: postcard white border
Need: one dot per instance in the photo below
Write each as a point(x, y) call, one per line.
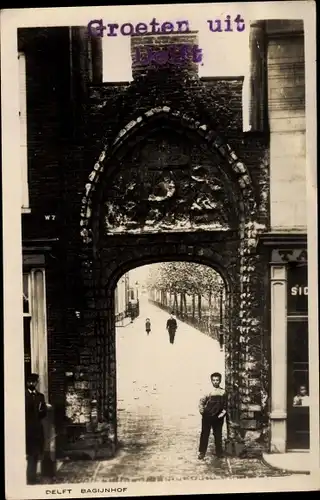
point(11, 20)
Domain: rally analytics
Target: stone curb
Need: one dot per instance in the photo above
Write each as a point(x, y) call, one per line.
point(286, 471)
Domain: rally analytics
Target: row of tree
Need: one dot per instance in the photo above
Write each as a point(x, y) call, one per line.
point(187, 288)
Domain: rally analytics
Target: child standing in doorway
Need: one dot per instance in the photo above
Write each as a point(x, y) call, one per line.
point(302, 398)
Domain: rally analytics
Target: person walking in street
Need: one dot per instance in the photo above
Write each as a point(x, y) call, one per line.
point(148, 326)
point(213, 408)
point(132, 315)
point(131, 311)
point(172, 327)
point(35, 412)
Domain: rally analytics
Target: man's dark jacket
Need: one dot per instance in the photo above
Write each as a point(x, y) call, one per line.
point(171, 324)
point(36, 410)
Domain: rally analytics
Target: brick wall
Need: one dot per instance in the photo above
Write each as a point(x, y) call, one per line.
point(48, 108)
point(218, 102)
point(56, 93)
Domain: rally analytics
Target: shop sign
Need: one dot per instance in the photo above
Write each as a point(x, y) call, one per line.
point(297, 283)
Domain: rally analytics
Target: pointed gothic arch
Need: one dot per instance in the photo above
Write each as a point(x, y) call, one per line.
point(215, 142)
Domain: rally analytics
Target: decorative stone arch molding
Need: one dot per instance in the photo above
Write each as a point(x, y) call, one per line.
point(248, 205)
point(249, 227)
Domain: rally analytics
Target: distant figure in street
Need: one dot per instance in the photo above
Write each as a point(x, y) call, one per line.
point(131, 311)
point(132, 315)
point(213, 408)
point(172, 327)
point(148, 326)
point(35, 411)
point(221, 340)
point(302, 398)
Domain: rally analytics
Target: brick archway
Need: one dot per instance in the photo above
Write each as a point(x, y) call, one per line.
point(232, 253)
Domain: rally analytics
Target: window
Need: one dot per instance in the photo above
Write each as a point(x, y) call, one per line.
point(23, 132)
point(35, 326)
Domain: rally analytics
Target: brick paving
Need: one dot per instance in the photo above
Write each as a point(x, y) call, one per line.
point(159, 386)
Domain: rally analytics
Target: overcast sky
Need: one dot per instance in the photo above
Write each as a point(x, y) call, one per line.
point(140, 274)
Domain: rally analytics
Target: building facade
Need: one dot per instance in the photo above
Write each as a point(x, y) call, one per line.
point(79, 140)
point(121, 299)
point(287, 240)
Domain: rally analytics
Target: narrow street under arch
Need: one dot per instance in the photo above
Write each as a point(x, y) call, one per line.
point(159, 383)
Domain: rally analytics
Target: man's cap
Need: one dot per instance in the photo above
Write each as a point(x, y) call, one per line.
point(33, 377)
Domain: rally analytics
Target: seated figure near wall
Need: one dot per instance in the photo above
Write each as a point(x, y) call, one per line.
point(302, 398)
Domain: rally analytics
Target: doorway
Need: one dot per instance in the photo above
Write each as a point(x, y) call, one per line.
point(298, 427)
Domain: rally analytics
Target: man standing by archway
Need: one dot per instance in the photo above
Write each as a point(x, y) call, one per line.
point(172, 327)
point(213, 408)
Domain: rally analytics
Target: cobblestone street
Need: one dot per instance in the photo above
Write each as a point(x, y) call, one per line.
point(159, 386)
